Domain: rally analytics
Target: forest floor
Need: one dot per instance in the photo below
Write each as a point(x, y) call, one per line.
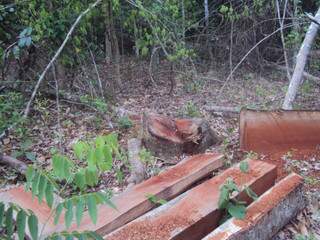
point(50, 129)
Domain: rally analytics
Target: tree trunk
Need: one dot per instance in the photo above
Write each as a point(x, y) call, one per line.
point(300, 64)
point(112, 39)
point(206, 12)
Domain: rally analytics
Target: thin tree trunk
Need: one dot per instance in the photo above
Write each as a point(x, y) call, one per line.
point(206, 12)
point(300, 64)
point(281, 23)
point(114, 45)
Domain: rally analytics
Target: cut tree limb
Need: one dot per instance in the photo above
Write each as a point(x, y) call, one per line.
point(300, 64)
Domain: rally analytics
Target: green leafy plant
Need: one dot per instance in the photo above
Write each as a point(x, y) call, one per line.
point(146, 156)
point(96, 156)
point(233, 207)
point(190, 110)
point(305, 237)
point(124, 122)
point(154, 199)
point(244, 166)
point(25, 151)
point(10, 106)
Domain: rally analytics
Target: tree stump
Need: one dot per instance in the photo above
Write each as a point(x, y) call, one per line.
point(167, 137)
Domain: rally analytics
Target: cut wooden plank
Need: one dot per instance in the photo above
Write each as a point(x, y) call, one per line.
point(132, 203)
point(24, 199)
point(195, 214)
point(266, 216)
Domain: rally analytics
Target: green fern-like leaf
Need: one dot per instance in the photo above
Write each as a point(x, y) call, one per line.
point(92, 208)
point(9, 221)
point(21, 224)
point(58, 213)
point(79, 210)
point(69, 213)
point(42, 188)
point(1, 213)
point(33, 226)
point(61, 167)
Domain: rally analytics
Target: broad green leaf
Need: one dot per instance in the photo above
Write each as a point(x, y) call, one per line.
point(58, 213)
point(35, 184)
point(91, 176)
point(79, 210)
point(62, 166)
point(42, 188)
point(112, 141)
point(251, 193)
point(92, 207)
point(69, 213)
point(33, 226)
point(58, 165)
point(107, 165)
point(1, 213)
point(231, 186)
point(29, 176)
point(94, 236)
point(236, 211)
point(49, 194)
point(31, 156)
point(244, 166)
point(91, 158)
point(80, 179)
point(100, 142)
point(9, 221)
point(21, 224)
point(224, 197)
point(81, 150)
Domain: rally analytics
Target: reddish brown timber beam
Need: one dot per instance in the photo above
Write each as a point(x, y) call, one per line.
point(195, 214)
point(130, 204)
point(266, 216)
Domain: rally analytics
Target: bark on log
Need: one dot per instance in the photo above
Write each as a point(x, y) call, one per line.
point(137, 167)
point(300, 64)
point(20, 166)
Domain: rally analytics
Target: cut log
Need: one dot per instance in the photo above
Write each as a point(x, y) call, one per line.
point(130, 204)
point(137, 168)
point(195, 214)
point(266, 216)
point(167, 137)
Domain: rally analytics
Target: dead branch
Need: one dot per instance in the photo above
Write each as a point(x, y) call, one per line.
point(305, 74)
point(222, 109)
point(18, 165)
point(300, 63)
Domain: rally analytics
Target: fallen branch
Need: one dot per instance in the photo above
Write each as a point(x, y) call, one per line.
point(222, 109)
point(18, 165)
point(305, 74)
